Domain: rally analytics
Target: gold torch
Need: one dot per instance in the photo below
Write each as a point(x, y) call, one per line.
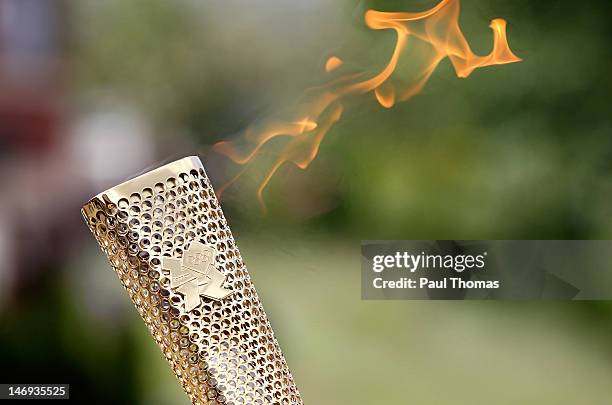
point(168, 241)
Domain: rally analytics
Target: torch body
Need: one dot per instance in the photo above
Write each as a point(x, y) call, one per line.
point(168, 241)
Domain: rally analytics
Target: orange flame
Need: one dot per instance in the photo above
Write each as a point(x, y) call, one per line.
point(333, 63)
point(434, 34)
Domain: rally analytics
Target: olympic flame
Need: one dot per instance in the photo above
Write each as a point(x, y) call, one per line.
point(433, 35)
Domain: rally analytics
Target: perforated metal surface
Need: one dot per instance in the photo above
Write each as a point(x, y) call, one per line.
point(222, 351)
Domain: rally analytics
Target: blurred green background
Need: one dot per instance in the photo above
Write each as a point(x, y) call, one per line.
point(95, 91)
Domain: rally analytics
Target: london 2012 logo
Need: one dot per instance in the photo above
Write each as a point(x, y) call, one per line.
point(196, 275)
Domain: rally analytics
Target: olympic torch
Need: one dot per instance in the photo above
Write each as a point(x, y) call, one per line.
point(168, 241)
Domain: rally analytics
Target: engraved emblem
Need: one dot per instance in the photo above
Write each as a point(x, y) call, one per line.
point(195, 274)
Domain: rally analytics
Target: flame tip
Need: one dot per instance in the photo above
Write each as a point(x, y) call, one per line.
point(333, 63)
